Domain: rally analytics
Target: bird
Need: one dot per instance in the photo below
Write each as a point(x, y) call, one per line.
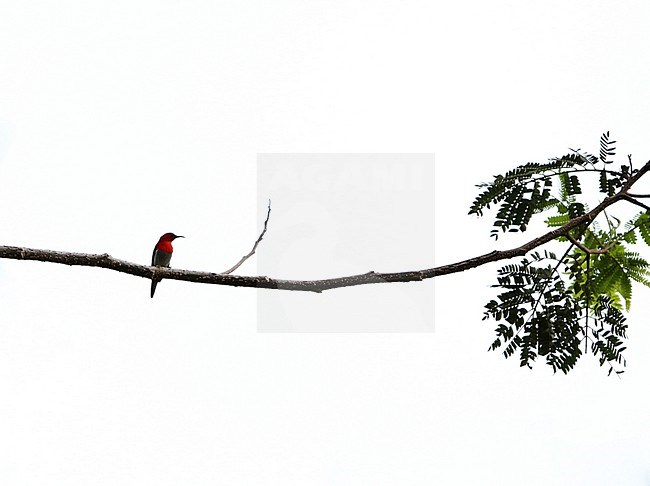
point(162, 255)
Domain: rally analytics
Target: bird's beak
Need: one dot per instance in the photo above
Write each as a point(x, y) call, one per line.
point(180, 237)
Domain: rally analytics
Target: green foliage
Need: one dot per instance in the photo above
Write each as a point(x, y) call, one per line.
point(562, 308)
point(609, 274)
point(607, 340)
point(569, 185)
point(558, 220)
point(607, 148)
point(540, 316)
point(640, 224)
point(614, 272)
point(526, 190)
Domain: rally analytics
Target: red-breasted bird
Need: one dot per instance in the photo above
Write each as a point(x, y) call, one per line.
point(162, 255)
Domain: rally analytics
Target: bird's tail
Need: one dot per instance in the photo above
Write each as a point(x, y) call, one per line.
point(154, 282)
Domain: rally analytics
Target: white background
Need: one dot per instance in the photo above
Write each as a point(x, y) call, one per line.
point(122, 120)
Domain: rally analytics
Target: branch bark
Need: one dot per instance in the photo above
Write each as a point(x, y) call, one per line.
point(261, 282)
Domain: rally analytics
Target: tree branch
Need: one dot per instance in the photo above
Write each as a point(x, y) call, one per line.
point(589, 251)
point(108, 262)
point(629, 198)
point(252, 252)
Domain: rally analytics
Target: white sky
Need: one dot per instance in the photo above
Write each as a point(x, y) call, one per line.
point(122, 120)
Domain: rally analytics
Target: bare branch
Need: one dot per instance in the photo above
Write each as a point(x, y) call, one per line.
point(629, 198)
point(108, 262)
point(252, 252)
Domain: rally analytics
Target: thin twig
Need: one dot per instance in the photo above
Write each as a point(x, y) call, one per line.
point(590, 251)
point(252, 252)
point(629, 198)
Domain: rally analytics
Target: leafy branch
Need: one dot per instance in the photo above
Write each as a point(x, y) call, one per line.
point(540, 307)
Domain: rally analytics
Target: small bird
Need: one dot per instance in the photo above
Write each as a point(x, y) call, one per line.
point(162, 255)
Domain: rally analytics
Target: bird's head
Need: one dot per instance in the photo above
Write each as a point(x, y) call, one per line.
point(169, 237)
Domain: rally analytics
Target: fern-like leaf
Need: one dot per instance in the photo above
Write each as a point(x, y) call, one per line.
point(607, 148)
